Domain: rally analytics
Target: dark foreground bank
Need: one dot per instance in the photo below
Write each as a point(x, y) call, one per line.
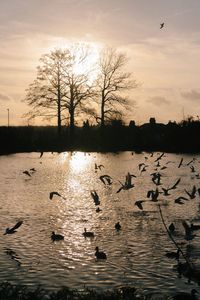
point(176, 138)
point(19, 292)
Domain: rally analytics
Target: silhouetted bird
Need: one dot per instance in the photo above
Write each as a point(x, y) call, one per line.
point(88, 233)
point(192, 195)
point(192, 169)
point(194, 227)
point(98, 167)
point(156, 178)
point(98, 209)
point(188, 231)
point(140, 165)
point(13, 229)
point(190, 162)
point(95, 197)
point(179, 200)
point(139, 204)
point(181, 162)
point(51, 194)
point(106, 179)
point(171, 227)
point(56, 237)
point(172, 255)
point(153, 194)
point(166, 191)
point(175, 184)
point(162, 25)
point(117, 226)
point(159, 157)
point(100, 254)
point(27, 173)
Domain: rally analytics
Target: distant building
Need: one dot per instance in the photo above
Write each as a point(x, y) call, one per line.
point(152, 121)
point(132, 124)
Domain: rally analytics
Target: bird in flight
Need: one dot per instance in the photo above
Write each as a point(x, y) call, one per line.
point(139, 204)
point(13, 229)
point(162, 25)
point(27, 173)
point(51, 194)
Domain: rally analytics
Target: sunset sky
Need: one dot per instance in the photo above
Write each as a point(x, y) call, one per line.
point(166, 62)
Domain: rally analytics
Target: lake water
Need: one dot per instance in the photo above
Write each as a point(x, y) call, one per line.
point(135, 254)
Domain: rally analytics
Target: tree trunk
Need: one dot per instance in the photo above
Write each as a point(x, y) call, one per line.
point(59, 107)
point(71, 113)
point(102, 110)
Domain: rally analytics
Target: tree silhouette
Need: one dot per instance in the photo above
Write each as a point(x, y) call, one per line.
point(80, 90)
point(61, 86)
point(46, 93)
point(111, 82)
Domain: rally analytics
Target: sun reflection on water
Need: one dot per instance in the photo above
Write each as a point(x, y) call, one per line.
point(79, 161)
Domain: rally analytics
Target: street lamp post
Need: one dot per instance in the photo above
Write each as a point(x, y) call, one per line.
point(8, 117)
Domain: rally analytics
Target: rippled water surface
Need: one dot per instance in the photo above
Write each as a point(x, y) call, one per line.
point(135, 254)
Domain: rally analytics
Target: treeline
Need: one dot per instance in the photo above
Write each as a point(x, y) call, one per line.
point(182, 137)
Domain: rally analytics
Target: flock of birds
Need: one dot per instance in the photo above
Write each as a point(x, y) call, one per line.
point(152, 195)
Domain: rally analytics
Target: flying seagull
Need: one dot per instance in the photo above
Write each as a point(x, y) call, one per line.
point(13, 229)
point(139, 204)
point(51, 194)
point(162, 25)
point(27, 173)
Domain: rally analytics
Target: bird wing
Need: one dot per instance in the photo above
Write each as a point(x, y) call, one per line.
point(102, 179)
point(175, 184)
point(181, 161)
point(190, 162)
point(101, 166)
point(140, 165)
point(149, 193)
point(178, 201)
point(194, 190)
point(188, 193)
point(27, 173)
point(159, 157)
point(139, 204)
point(54, 193)
point(17, 225)
point(119, 190)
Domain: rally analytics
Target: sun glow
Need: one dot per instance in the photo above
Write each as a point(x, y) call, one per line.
point(87, 66)
point(79, 161)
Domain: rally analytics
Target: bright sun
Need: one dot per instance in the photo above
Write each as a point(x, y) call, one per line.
point(89, 65)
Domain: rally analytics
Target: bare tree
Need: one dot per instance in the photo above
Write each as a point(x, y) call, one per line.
point(62, 86)
point(111, 83)
point(46, 93)
point(80, 90)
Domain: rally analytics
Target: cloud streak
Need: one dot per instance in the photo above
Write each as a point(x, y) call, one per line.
point(192, 95)
point(4, 97)
point(158, 100)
